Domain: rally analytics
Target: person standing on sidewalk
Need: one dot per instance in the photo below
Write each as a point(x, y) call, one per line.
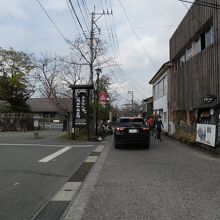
point(159, 126)
point(150, 123)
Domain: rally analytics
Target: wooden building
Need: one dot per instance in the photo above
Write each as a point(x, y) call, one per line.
point(50, 108)
point(195, 54)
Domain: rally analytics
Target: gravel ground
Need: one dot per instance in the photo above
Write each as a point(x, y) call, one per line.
point(169, 181)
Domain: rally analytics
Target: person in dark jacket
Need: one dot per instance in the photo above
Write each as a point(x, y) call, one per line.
point(159, 126)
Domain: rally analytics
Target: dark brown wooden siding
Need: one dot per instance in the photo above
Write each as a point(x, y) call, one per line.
point(199, 76)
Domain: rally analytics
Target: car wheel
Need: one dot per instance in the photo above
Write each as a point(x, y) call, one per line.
point(116, 146)
point(147, 146)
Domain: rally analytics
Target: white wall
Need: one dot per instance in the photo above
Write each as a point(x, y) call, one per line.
point(161, 104)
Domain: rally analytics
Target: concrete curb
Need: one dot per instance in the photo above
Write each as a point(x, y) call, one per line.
point(79, 203)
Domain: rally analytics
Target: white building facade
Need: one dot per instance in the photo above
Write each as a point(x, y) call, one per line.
point(160, 94)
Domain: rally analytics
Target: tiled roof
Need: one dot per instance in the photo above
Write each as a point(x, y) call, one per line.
point(50, 105)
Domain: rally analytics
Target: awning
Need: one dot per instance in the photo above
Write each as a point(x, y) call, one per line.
point(213, 105)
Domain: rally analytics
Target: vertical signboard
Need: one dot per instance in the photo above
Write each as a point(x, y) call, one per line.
point(81, 108)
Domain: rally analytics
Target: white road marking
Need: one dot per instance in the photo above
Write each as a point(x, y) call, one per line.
point(99, 148)
point(47, 145)
point(63, 196)
point(67, 191)
point(15, 184)
point(71, 186)
point(91, 159)
point(52, 156)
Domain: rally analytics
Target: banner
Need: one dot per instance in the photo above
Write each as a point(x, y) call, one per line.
point(206, 134)
point(103, 97)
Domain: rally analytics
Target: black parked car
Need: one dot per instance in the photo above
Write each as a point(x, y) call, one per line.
point(131, 130)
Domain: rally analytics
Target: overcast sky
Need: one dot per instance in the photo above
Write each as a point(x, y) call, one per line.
point(143, 49)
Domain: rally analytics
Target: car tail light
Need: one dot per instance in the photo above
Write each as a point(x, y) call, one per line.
point(120, 129)
point(145, 129)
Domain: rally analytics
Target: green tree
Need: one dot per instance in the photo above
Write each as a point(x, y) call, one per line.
point(15, 86)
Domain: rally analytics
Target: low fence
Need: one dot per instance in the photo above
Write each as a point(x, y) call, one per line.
point(25, 122)
point(16, 121)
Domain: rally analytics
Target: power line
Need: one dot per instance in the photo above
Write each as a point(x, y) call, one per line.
point(108, 31)
point(74, 20)
point(60, 32)
point(33, 41)
point(112, 43)
point(202, 3)
point(85, 6)
point(126, 99)
point(82, 15)
point(158, 26)
point(77, 18)
point(132, 27)
point(185, 6)
point(205, 2)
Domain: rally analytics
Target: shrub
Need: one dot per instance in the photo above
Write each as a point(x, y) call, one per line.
point(189, 138)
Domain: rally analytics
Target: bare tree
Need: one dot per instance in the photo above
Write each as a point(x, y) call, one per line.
point(47, 75)
point(88, 57)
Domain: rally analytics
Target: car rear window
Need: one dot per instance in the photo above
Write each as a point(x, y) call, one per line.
point(128, 122)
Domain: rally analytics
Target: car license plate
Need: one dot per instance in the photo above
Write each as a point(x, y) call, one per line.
point(133, 131)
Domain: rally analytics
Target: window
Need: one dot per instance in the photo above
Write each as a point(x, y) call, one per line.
point(182, 59)
point(198, 45)
point(161, 88)
point(154, 92)
point(188, 53)
point(202, 41)
point(156, 95)
point(209, 36)
point(205, 39)
point(161, 113)
point(164, 116)
point(165, 85)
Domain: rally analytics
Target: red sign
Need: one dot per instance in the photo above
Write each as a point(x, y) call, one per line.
point(103, 97)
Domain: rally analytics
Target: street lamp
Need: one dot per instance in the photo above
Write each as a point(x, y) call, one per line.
point(132, 102)
point(98, 71)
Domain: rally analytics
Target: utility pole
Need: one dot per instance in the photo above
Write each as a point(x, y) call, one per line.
point(92, 37)
point(98, 71)
point(132, 102)
point(91, 65)
point(92, 47)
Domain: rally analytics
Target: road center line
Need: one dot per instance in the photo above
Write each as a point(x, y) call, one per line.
point(52, 156)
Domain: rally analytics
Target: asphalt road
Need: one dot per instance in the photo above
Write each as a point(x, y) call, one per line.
point(26, 183)
point(169, 181)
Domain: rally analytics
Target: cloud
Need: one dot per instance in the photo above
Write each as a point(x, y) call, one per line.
point(53, 5)
point(154, 23)
point(138, 54)
point(13, 9)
